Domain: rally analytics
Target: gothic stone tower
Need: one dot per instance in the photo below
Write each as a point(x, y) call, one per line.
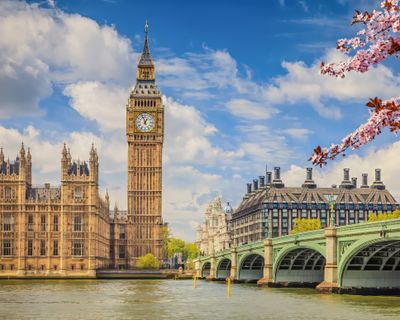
point(145, 137)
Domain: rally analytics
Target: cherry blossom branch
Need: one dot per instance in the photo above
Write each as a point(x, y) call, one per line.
point(378, 40)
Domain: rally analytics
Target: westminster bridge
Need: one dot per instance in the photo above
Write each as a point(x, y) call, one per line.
point(335, 259)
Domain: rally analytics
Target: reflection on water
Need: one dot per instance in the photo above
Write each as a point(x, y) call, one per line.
point(168, 299)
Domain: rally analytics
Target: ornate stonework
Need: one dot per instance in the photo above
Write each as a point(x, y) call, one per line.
point(145, 137)
point(214, 234)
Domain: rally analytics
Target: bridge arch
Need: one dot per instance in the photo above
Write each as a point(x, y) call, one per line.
point(206, 269)
point(300, 265)
point(251, 267)
point(372, 263)
point(223, 268)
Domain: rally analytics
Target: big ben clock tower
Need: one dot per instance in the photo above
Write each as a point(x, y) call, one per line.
point(145, 137)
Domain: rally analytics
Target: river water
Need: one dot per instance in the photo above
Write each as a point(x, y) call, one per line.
point(169, 299)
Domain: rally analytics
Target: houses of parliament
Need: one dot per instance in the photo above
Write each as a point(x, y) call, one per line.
point(70, 230)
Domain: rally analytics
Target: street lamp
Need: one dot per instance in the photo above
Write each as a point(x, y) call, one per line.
point(332, 220)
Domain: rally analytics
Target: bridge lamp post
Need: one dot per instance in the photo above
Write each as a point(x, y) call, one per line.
point(332, 219)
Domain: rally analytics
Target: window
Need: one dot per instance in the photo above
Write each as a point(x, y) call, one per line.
point(30, 222)
point(77, 223)
point(8, 247)
point(78, 193)
point(122, 252)
point(7, 222)
point(42, 247)
point(122, 231)
point(43, 223)
point(55, 248)
point(77, 247)
point(30, 247)
point(7, 192)
point(55, 223)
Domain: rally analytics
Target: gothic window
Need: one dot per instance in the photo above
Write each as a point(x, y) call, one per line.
point(77, 247)
point(78, 223)
point(7, 192)
point(55, 248)
point(30, 247)
point(78, 193)
point(122, 252)
point(42, 247)
point(30, 222)
point(122, 231)
point(55, 223)
point(43, 223)
point(7, 222)
point(8, 247)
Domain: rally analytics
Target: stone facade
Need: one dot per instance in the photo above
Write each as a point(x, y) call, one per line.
point(214, 234)
point(52, 231)
point(270, 208)
point(145, 137)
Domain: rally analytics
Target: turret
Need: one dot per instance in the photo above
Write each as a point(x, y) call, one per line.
point(65, 163)
point(94, 164)
point(107, 200)
point(1, 155)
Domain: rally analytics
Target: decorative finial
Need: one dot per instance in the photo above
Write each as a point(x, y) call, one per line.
point(146, 28)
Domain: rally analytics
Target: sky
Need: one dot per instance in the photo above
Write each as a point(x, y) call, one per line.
point(240, 83)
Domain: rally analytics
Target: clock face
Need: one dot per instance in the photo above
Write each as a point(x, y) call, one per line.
point(144, 122)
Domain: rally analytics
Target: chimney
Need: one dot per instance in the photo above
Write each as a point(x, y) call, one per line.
point(378, 175)
point(309, 183)
point(277, 173)
point(364, 180)
point(262, 181)
point(309, 174)
point(255, 185)
point(378, 184)
point(248, 188)
point(269, 178)
point(354, 182)
point(346, 174)
point(277, 182)
point(346, 183)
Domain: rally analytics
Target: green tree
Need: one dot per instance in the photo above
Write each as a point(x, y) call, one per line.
point(175, 245)
point(166, 238)
point(148, 262)
point(192, 251)
point(303, 225)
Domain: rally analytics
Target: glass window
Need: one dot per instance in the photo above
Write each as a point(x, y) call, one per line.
point(77, 223)
point(55, 223)
point(55, 248)
point(42, 247)
point(7, 222)
point(77, 247)
point(8, 247)
point(30, 247)
point(304, 213)
point(43, 222)
point(122, 252)
point(122, 231)
point(30, 222)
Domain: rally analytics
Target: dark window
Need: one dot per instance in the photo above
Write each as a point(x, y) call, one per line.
point(42, 247)
point(55, 223)
point(30, 222)
point(30, 247)
point(55, 248)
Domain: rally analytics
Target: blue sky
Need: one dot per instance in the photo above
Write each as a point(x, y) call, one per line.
point(240, 82)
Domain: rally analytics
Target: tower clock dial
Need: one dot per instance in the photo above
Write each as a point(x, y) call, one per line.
point(144, 122)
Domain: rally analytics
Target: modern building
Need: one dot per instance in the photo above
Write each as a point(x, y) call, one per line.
point(271, 207)
point(52, 231)
point(214, 234)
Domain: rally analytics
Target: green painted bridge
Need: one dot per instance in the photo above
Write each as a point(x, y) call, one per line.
point(335, 259)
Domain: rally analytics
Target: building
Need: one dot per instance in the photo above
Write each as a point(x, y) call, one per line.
point(214, 234)
point(270, 208)
point(145, 137)
point(52, 231)
point(68, 230)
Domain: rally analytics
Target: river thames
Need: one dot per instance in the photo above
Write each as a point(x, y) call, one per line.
point(169, 299)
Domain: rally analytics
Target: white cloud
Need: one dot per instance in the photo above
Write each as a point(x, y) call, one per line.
point(304, 83)
point(298, 133)
point(247, 109)
point(385, 158)
point(42, 47)
point(104, 103)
